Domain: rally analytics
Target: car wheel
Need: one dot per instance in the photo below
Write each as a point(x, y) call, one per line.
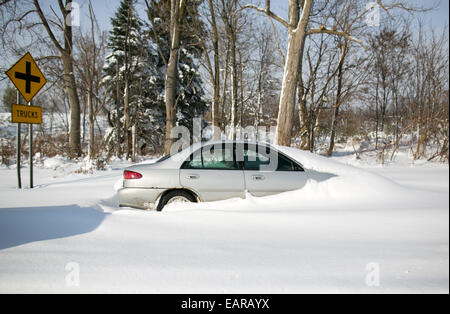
point(174, 197)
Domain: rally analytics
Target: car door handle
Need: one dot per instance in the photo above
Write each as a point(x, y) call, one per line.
point(192, 176)
point(258, 177)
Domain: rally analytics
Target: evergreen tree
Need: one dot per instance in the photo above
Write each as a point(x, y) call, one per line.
point(134, 81)
point(9, 97)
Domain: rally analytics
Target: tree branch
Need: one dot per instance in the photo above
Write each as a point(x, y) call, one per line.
point(46, 58)
point(155, 35)
point(283, 59)
point(324, 30)
point(268, 13)
point(47, 26)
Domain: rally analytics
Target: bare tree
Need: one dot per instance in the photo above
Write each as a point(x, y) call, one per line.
point(428, 94)
point(266, 67)
point(229, 18)
point(65, 51)
point(298, 27)
point(210, 44)
point(22, 15)
point(91, 52)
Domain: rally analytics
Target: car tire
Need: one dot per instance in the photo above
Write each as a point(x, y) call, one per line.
point(175, 195)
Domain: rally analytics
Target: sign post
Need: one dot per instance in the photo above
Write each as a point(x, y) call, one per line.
point(19, 179)
point(28, 79)
point(30, 148)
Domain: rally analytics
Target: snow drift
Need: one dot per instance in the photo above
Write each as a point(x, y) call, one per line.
point(317, 239)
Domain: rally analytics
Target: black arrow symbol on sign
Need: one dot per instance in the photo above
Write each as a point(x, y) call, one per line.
point(27, 77)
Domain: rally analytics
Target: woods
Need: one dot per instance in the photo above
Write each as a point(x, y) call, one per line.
point(321, 76)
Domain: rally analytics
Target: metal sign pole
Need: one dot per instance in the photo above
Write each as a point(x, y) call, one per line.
point(30, 137)
point(19, 179)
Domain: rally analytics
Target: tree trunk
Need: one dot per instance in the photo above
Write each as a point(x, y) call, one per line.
point(376, 112)
point(230, 29)
point(304, 118)
point(296, 42)
point(338, 100)
point(83, 123)
point(224, 89)
point(119, 150)
point(134, 143)
point(234, 84)
point(127, 130)
point(72, 95)
point(303, 110)
point(216, 87)
point(241, 92)
point(333, 131)
point(177, 10)
point(91, 125)
point(259, 112)
point(171, 86)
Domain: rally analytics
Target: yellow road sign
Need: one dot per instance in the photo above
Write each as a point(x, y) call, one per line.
point(27, 77)
point(26, 114)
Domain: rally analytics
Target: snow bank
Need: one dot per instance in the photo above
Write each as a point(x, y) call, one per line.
point(315, 240)
point(55, 162)
point(347, 181)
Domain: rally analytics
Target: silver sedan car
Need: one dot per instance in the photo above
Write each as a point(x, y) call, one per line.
point(209, 172)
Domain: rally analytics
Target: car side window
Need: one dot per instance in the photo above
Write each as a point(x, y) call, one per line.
point(219, 156)
point(284, 164)
point(255, 161)
point(297, 167)
point(194, 161)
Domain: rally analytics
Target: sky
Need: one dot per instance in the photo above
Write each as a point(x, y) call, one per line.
point(105, 9)
point(437, 18)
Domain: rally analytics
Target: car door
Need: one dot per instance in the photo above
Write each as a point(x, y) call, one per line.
point(213, 173)
point(267, 171)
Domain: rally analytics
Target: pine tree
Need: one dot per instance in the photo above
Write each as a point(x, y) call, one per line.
point(134, 81)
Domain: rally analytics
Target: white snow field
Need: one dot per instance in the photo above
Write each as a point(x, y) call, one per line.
point(365, 229)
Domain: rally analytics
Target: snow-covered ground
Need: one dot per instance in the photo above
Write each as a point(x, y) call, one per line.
point(367, 229)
